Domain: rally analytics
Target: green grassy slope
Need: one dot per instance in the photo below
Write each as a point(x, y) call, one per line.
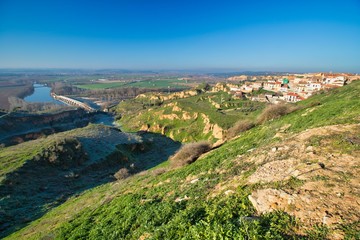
point(41, 174)
point(188, 122)
point(192, 202)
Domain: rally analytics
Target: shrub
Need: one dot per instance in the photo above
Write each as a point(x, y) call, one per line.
point(189, 153)
point(239, 127)
point(158, 171)
point(122, 174)
point(275, 111)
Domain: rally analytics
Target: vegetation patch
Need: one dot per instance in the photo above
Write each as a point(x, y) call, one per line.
point(122, 174)
point(188, 153)
point(239, 127)
point(178, 203)
point(275, 111)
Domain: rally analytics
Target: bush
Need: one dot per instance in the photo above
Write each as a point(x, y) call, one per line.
point(189, 153)
point(239, 127)
point(122, 174)
point(275, 111)
point(158, 171)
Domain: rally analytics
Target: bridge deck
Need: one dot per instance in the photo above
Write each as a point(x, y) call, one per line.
point(73, 102)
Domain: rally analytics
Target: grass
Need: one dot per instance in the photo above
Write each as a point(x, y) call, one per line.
point(12, 158)
point(173, 205)
point(144, 205)
point(42, 174)
point(135, 114)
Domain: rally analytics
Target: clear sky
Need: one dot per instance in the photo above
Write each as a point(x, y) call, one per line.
point(258, 35)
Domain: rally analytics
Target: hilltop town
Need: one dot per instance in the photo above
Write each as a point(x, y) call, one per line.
point(285, 88)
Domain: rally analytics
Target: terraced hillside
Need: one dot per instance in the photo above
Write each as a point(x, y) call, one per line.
point(290, 177)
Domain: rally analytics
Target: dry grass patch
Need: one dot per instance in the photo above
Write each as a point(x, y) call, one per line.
point(239, 127)
point(189, 153)
point(275, 111)
point(122, 174)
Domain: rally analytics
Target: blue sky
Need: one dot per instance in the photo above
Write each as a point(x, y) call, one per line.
point(141, 34)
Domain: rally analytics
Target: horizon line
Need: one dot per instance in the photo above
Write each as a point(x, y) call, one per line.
point(202, 70)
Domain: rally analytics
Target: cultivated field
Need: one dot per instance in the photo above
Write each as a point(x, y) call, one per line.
point(172, 83)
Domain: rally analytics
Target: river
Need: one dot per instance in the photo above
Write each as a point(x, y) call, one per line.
point(41, 94)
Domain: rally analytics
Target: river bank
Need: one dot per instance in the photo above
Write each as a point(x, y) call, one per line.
point(20, 127)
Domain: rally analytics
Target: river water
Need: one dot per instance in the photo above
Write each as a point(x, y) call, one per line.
point(41, 94)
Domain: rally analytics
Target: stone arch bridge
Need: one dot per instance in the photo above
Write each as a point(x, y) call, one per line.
point(73, 102)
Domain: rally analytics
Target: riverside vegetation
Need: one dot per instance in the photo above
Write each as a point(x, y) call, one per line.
point(288, 175)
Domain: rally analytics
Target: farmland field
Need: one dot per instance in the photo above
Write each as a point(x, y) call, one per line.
point(172, 83)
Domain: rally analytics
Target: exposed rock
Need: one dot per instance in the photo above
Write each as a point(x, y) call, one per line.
point(277, 171)
point(216, 130)
point(194, 181)
point(187, 116)
point(145, 127)
point(228, 192)
point(309, 149)
point(284, 128)
point(169, 116)
point(182, 199)
point(313, 205)
point(328, 193)
point(266, 200)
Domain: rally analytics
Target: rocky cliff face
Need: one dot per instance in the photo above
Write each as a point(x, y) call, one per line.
point(322, 164)
point(165, 97)
point(163, 124)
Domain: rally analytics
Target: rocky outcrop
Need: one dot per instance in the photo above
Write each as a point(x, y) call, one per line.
point(160, 127)
point(215, 129)
point(165, 97)
point(320, 185)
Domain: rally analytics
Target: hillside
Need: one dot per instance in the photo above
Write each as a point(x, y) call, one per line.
point(187, 117)
point(38, 175)
point(18, 127)
point(291, 177)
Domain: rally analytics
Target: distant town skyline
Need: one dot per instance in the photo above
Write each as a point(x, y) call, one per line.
point(306, 36)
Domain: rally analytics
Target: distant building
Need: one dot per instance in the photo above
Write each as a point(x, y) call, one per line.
point(292, 97)
point(338, 81)
point(313, 86)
